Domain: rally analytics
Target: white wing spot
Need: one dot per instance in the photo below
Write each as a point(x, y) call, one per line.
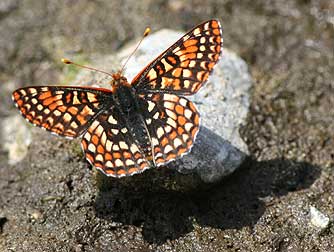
point(169, 97)
point(91, 147)
point(168, 129)
point(185, 137)
point(91, 97)
point(87, 136)
point(27, 105)
point(67, 117)
point(149, 121)
point(167, 66)
point(151, 106)
point(108, 145)
point(177, 142)
point(152, 74)
point(23, 92)
point(176, 49)
point(103, 137)
point(160, 132)
point(188, 113)
point(188, 126)
point(32, 90)
point(123, 145)
point(197, 31)
point(186, 37)
point(57, 113)
point(74, 125)
point(112, 120)
point(156, 115)
point(192, 63)
point(109, 164)
point(169, 105)
point(186, 73)
point(134, 148)
point(168, 148)
point(171, 122)
point(119, 163)
point(115, 131)
point(155, 141)
point(99, 130)
point(183, 102)
point(75, 98)
point(99, 157)
point(129, 162)
point(171, 114)
point(186, 83)
point(50, 120)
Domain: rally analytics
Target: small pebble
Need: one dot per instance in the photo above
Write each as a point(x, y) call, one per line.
point(318, 219)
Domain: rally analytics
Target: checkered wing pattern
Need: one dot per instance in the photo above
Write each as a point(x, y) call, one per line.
point(172, 123)
point(110, 145)
point(65, 111)
point(132, 127)
point(185, 66)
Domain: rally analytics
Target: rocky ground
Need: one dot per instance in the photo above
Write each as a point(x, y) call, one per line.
point(52, 201)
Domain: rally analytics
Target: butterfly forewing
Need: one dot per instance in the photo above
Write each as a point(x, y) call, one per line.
point(65, 111)
point(109, 145)
point(172, 123)
point(185, 66)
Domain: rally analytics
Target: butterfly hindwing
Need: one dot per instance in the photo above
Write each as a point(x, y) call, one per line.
point(172, 122)
point(109, 145)
point(65, 111)
point(185, 66)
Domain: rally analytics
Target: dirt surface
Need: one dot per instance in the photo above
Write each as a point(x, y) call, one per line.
point(52, 201)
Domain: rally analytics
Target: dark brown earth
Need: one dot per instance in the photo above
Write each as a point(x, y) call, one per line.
point(51, 201)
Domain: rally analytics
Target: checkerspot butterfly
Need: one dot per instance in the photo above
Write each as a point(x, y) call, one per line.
point(138, 125)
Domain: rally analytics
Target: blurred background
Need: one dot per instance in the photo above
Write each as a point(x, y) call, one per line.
point(289, 47)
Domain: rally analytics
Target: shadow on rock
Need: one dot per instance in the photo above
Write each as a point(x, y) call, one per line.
point(237, 201)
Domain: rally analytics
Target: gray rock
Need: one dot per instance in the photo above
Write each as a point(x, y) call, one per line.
point(16, 135)
point(223, 103)
point(211, 157)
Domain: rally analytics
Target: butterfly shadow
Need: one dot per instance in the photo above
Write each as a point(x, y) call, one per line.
point(237, 201)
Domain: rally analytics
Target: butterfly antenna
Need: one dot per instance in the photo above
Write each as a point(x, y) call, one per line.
point(69, 62)
point(146, 32)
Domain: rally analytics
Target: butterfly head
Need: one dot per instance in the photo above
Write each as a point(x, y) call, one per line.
point(119, 80)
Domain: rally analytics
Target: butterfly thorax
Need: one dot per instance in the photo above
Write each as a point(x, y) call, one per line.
point(123, 93)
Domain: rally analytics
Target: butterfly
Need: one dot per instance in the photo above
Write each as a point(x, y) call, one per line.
point(135, 125)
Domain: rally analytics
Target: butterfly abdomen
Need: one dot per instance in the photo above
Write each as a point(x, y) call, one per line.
point(136, 129)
